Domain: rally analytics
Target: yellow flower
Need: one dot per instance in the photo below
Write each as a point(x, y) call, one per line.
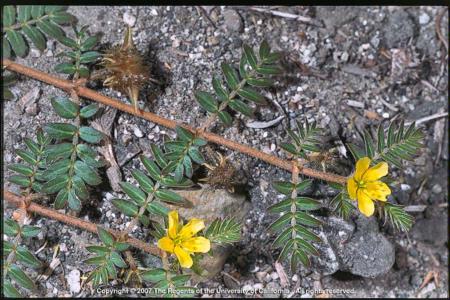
point(181, 241)
point(365, 187)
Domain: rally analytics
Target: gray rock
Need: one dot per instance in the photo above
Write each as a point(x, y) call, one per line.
point(233, 21)
point(398, 29)
point(208, 205)
point(363, 251)
point(336, 16)
point(433, 230)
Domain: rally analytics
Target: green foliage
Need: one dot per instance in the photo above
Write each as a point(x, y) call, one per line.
point(8, 80)
point(36, 22)
point(341, 203)
point(305, 139)
point(107, 258)
point(394, 146)
point(167, 284)
point(70, 166)
point(182, 152)
point(14, 254)
point(81, 54)
point(153, 189)
point(399, 219)
point(30, 171)
point(293, 237)
point(254, 71)
point(223, 232)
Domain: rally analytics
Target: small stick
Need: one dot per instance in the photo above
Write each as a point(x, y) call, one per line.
point(214, 138)
point(438, 28)
point(428, 118)
point(50, 213)
point(277, 13)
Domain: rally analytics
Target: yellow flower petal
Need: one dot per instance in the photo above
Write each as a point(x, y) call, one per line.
point(378, 190)
point(183, 257)
point(376, 172)
point(191, 228)
point(352, 187)
point(361, 167)
point(197, 244)
point(173, 224)
point(166, 244)
point(365, 204)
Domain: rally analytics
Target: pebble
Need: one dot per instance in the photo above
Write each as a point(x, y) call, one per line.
point(32, 109)
point(424, 18)
point(29, 99)
point(212, 40)
point(35, 53)
point(73, 280)
point(233, 21)
point(385, 115)
point(437, 189)
point(405, 187)
point(261, 275)
point(129, 19)
point(274, 275)
point(137, 132)
point(375, 41)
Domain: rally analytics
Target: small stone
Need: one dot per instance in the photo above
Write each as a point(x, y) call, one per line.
point(32, 109)
point(30, 98)
point(437, 189)
point(129, 19)
point(73, 280)
point(212, 40)
point(137, 132)
point(424, 18)
point(385, 115)
point(233, 21)
point(375, 41)
point(405, 187)
point(35, 53)
point(261, 275)
point(247, 288)
point(274, 275)
point(272, 290)
point(176, 43)
point(63, 247)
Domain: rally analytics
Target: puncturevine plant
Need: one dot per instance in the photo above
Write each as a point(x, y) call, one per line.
point(63, 165)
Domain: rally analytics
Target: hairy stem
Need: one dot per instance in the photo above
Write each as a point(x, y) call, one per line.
point(73, 221)
point(214, 138)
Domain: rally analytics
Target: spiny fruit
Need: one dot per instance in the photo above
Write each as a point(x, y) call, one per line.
point(222, 174)
point(126, 69)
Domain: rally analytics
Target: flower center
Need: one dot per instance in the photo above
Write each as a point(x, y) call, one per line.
point(178, 239)
point(360, 184)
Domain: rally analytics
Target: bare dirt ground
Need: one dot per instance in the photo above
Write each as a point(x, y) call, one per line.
point(345, 75)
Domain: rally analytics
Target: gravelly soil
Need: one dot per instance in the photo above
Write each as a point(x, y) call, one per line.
point(343, 63)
